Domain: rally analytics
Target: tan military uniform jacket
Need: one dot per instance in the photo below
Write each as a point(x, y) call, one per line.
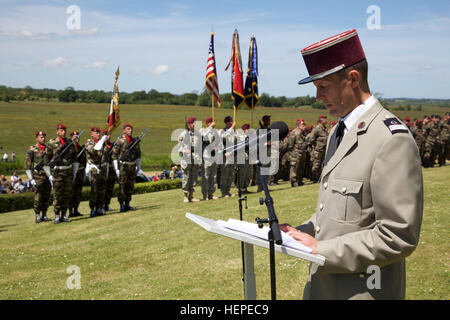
point(369, 211)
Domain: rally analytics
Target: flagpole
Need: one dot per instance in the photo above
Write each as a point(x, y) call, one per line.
point(212, 104)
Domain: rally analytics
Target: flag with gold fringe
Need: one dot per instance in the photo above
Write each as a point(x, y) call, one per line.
point(113, 117)
point(237, 86)
point(251, 82)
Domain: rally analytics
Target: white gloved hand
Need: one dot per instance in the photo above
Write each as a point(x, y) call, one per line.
point(51, 180)
point(100, 143)
point(116, 168)
point(118, 173)
point(29, 175)
point(33, 182)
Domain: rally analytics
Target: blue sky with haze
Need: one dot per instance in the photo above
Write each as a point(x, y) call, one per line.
point(164, 44)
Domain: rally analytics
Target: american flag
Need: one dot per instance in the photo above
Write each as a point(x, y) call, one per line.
point(211, 76)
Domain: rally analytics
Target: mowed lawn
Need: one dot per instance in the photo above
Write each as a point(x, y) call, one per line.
point(156, 253)
point(20, 120)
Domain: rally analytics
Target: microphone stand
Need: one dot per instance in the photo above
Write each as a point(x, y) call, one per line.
point(274, 234)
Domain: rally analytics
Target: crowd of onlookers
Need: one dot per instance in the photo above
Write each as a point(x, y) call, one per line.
point(14, 184)
point(173, 173)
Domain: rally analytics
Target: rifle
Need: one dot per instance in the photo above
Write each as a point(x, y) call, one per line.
point(53, 163)
point(133, 145)
point(114, 143)
point(40, 165)
point(80, 153)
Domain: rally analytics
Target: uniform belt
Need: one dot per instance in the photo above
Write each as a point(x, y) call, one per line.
point(104, 164)
point(128, 162)
point(63, 167)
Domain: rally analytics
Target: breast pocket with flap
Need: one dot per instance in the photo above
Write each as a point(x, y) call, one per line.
point(346, 197)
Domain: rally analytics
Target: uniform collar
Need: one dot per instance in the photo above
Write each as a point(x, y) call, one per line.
point(355, 114)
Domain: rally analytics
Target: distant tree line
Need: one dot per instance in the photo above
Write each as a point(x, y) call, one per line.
point(153, 96)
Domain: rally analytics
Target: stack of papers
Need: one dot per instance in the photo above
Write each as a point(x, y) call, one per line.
point(254, 230)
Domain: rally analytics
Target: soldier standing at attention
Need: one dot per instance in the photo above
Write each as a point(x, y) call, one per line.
point(209, 159)
point(97, 166)
point(297, 145)
point(190, 148)
point(318, 138)
point(38, 179)
point(227, 173)
point(62, 173)
point(111, 177)
point(126, 169)
point(80, 163)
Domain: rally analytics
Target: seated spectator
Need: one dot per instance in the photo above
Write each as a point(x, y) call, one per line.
point(19, 187)
point(14, 178)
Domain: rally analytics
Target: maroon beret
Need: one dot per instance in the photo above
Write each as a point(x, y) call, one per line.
point(60, 126)
point(75, 133)
point(127, 125)
point(332, 55)
point(40, 133)
point(245, 126)
point(191, 120)
point(96, 129)
point(208, 120)
point(227, 119)
point(299, 120)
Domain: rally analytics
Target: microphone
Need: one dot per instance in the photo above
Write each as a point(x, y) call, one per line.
point(281, 126)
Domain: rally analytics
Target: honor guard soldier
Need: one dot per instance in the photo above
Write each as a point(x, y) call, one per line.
point(112, 177)
point(243, 162)
point(190, 149)
point(126, 167)
point(78, 178)
point(318, 140)
point(209, 145)
point(370, 202)
point(297, 145)
point(227, 135)
point(96, 169)
point(38, 178)
point(58, 166)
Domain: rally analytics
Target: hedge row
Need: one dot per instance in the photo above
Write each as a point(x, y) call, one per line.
point(23, 201)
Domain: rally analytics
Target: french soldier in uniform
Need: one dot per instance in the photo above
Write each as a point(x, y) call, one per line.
point(61, 175)
point(78, 178)
point(38, 179)
point(126, 169)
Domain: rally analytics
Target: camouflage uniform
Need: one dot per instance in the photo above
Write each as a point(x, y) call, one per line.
point(77, 182)
point(285, 155)
point(43, 187)
point(297, 145)
point(96, 169)
point(62, 175)
point(227, 167)
point(318, 139)
point(209, 162)
point(190, 148)
point(432, 144)
point(445, 141)
point(419, 135)
point(110, 180)
point(127, 168)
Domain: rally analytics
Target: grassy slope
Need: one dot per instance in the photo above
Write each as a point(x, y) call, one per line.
point(156, 253)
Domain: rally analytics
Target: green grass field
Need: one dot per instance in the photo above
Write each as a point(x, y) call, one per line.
point(156, 253)
point(20, 120)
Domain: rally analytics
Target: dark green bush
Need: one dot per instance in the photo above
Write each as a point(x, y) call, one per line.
point(23, 201)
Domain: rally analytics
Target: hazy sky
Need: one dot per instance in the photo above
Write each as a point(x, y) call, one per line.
point(164, 44)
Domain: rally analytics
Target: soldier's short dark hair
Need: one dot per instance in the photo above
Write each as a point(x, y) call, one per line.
point(363, 68)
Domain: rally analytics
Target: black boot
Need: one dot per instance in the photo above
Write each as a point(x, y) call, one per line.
point(91, 205)
point(63, 216)
point(44, 216)
point(122, 207)
point(70, 213)
point(100, 211)
point(76, 213)
point(56, 218)
point(127, 206)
